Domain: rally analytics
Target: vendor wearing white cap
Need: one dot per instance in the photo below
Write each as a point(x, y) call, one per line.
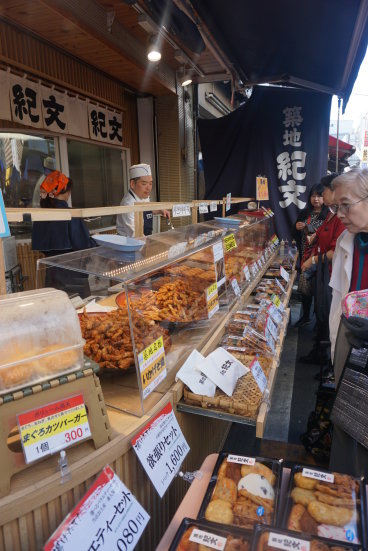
point(140, 188)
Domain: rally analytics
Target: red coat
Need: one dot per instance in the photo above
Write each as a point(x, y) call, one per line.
point(326, 236)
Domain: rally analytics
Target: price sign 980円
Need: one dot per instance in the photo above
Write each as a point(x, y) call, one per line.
point(53, 427)
point(152, 365)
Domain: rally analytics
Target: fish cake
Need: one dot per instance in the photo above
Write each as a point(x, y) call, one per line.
point(305, 482)
point(301, 495)
point(328, 514)
point(226, 490)
point(336, 501)
point(259, 468)
point(219, 511)
point(296, 514)
point(229, 469)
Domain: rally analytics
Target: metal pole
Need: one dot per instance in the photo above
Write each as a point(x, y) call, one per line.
point(337, 134)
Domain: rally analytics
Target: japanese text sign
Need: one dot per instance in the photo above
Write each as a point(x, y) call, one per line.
point(318, 475)
point(235, 286)
point(181, 210)
point(228, 202)
point(53, 427)
point(203, 208)
point(4, 226)
point(108, 517)
point(286, 542)
point(246, 272)
point(229, 242)
point(212, 541)
point(258, 375)
point(152, 366)
point(161, 448)
point(261, 189)
point(284, 274)
point(212, 300)
point(213, 206)
point(242, 459)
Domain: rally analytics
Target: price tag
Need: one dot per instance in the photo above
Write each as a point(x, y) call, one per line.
point(228, 202)
point(213, 206)
point(229, 242)
point(203, 208)
point(181, 210)
point(259, 263)
point(279, 284)
point(263, 259)
point(271, 327)
point(178, 249)
point(212, 300)
point(206, 539)
point(261, 188)
point(277, 302)
point(318, 475)
point(241, 459)
point(254, 269)
point(258, 375)
point(270, 340)
point(246, 272)
point(284, 274)
point(161, 448)
point(152, 366)
point(235, 286)
point(53, 427)
point(4, 226)
point(275, 314)
point(218, 251)
point(282, 541)
point(108, 517)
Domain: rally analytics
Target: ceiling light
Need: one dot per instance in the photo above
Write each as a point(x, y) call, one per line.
point(153, 52)
point(186, 80)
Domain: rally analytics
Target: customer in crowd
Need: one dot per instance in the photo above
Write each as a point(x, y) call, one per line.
point(56, 237)
point(324, 245)
point(140, 187)
point(49, 166)
point(309, 220)
point(349, 273)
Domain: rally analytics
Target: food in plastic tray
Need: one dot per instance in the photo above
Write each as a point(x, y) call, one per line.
point(325, 504)
point(193, 535)
point(356, 304)
point(271, 539)
point(243, 491)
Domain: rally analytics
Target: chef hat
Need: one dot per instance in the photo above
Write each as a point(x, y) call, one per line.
point(137, 171)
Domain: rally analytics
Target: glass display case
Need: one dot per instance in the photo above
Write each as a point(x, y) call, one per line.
point(146, 310)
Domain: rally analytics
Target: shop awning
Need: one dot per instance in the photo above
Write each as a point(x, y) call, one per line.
point(316, 44)
point(345, 151)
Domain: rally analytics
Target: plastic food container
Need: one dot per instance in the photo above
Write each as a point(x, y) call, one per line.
point(243, 491)
point(326, 504)
point(40, 338)
point(195, 535)
point(268, 538)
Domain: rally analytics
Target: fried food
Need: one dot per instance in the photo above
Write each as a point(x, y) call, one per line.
point(295, 516)
point(308, 524)
point(261, 469)
point(300, 495)
point(225, 489)
point(336, 501)
point(328, 514)
point(230, 470)
point(247, 513)
point(305, 482)
point(219, 511)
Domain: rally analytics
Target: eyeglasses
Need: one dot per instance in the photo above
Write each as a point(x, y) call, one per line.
point(344, 208)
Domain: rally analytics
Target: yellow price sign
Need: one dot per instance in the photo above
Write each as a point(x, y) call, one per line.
point(229, 242)
point(276, 300)
point(152, 365)
point(212, 300)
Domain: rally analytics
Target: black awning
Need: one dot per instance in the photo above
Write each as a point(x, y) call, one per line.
point(317, 44)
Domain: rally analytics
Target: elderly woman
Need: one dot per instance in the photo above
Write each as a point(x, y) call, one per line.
point(349, 273)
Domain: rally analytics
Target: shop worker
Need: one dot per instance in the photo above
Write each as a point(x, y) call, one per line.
point(140, 187)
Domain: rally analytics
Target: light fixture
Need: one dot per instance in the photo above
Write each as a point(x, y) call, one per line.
point(185, 77)
point(153, 52)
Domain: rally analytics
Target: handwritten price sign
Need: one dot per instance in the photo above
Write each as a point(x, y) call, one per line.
point(229, 242)
point(152, 365)
point(212, 300)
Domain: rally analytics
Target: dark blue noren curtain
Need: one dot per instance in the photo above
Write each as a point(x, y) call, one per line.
point(281, 133)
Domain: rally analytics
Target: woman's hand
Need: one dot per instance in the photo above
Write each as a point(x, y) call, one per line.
point(300, 226)
point(306, 264)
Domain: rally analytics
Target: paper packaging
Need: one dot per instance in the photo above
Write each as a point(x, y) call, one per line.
point(355, 304)
point(223, 369)
point(196, 381)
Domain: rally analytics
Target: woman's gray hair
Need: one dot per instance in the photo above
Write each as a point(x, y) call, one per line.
point(357, 178)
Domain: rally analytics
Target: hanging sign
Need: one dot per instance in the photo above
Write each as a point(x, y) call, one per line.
point(229, 242)
point(181, 209)
point(53, 427)
point(262, 189)
point(108, 517)
point(228, 202)
point(213, 206)
point(152, 365)
point(203, 208)
point(161, 448)
point(4, 226)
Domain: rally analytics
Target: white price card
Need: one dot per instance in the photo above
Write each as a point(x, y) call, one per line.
point(181, 210)
point(271, 327)
point(235, 286)
point(213, 206)
point(207, 539)
point(242, 459)
point(212, 300)
point(286, 542)
point(4, 226)
point(161, 448)
point(203, 208)
point(218, 251)
point(318, 475)
point(254, 269)
point(270, 340)
point(280, 285)
point(176, 250)
point(263, 259)
point(259, 263)
point(53, 427)
point(284, 274)
point(152, 366)
point(258, 375)
point(275, 313)
point(246, 272)
point(108, 517)
point(228, 202)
